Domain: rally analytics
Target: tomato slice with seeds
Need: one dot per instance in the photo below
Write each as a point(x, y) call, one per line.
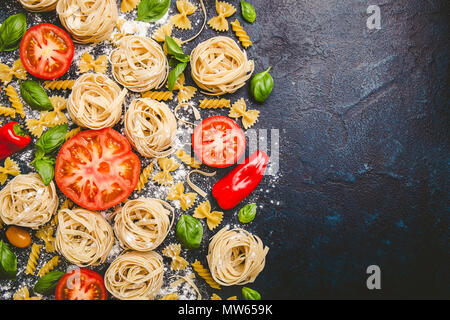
point(46, 51)
point(97, 169)
point(218, 141)
point(81, 284)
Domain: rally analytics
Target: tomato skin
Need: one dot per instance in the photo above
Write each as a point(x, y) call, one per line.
point(97, 169)
point(83, 278)
point(241, 181)
point(64, 58)
point(232, 140)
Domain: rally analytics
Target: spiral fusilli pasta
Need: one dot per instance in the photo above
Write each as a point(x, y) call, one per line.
point(48, 266)
point(158, 95)
point(241, 34)
point(33, 258)
point(59, 84)
point(205, 274)
point(144, 176)
point(215, 103)
point(16, 103)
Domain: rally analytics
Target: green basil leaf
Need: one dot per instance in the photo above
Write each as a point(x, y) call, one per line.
point(172, 47)
point(248, 11)
point(189, 231)
point(35, 95)
point(11, 31)
point(46, 169)
point(8, 262)
point(250, 294)
point(261, 85)
point(152, 10)
point(174, 74)
point(46, 285)
point(51, 139)
point(247, 213)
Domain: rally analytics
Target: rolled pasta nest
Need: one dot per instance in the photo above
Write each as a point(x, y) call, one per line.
point(139, 64)
point(83, 237)
point(39, 5)
point(151, 127)
point(135, 275)
point(95, 101)
point(142, 224)
point(25, 201)
point(235, 257)
point(219, 66)
point(88, 21)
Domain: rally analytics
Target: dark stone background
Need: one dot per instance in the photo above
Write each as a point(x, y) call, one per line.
point(363, 117)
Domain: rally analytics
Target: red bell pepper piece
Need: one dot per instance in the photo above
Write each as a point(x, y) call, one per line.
point(241, 181)
point(12, 139)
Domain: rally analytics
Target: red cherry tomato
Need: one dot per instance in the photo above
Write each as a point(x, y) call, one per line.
point(218, 141)
point(81, 284)
point(97, 169)
point(46, 51)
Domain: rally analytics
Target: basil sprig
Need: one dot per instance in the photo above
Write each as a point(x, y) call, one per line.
point(35, 95)
point(261, 85)
point(152, 10)
point(248, 11)
point(8, 262)
point(11, 31)
point(189, 231)
point(247, 213)
point(46, 285)
point(179, 59)
point(51, 140)
point(250, 294)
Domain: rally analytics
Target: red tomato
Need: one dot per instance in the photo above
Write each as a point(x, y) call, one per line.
point(81, 284)
point(218, 141)
point(97, 169)
point(46, 51)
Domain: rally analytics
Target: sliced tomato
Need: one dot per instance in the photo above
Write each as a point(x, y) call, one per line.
point(218, 141)
point(97, 169)
point(81, 284)
point(46, 51)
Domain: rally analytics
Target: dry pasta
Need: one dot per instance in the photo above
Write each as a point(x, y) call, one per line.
point(135, 275)
point(72, 133)
point(187, 200)
point(215, 103)
point(13, 97)
point(195, 187)
point(158, 95)
point(239, 109)
point(83, 237)
point(203, 211)
point(7, 112)
point(95, 101)
point(188, 279)
point(173, 251)
point(185, 93)
point(142, 224)
point(170, 296)
point(139, 64)
point(160, 33)
point(217, 297)
point(46, 234)
point(33, 258)
point(17, 70)
point(87, 63)
point(88, 20)
point(219, 66)
point(205, 274)
point(10, 167)
point(25, 201)
point(235, 257)
point(164, 177)
point(151, 127)
point(39, 5)
point(181, 21)
point(144, 176)
point(24, 294)
point(241, 34)
point(48, 266)
point(59, 84)
point(187, 159)
point(129, 5)
point(224, 10)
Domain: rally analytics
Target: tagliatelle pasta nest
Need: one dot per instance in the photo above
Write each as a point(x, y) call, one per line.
point(95, 101)
point(25, 201)
point(139, 64)
point(39, 5)
point(88, 20)
point(219, 66)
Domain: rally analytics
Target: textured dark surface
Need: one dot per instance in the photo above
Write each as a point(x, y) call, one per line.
point(364, 142)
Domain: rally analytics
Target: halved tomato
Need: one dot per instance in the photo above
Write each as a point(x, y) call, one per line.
point(97, 169)
point(46, 51)
point(218, 141)
point(81, 284)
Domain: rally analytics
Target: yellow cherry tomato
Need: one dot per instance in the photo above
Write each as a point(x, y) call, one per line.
point(18, 237)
